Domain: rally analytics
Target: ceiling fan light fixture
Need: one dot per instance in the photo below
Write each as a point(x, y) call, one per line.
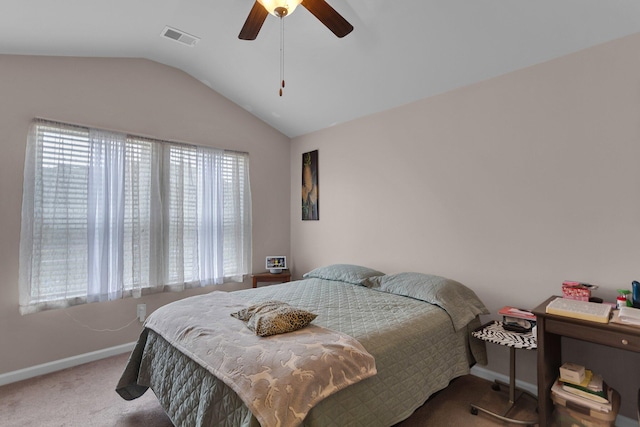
point(280, 8)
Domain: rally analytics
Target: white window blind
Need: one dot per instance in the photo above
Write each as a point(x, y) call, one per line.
point(107, 215)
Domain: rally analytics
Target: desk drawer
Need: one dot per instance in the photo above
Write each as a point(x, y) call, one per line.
point(596, 333)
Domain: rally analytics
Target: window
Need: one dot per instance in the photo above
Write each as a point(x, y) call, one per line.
point(107, 215)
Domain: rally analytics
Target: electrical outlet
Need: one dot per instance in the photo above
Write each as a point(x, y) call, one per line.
point(142, 312)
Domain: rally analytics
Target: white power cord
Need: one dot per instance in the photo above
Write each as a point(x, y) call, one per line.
point(100, 330)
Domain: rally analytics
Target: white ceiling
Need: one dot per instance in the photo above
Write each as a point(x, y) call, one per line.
point(399, 52)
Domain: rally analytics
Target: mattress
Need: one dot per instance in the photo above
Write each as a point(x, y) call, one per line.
point(417, 351)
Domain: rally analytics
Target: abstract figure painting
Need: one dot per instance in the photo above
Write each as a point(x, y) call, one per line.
point(310, 199)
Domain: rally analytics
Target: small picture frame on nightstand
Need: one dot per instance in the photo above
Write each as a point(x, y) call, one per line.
point(275, 264)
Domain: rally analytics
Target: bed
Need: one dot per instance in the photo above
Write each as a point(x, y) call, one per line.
point(417, 328)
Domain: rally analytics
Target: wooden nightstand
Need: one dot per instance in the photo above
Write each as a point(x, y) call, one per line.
point(285, 276)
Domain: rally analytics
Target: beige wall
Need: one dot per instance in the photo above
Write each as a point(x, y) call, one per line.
point(140, 97)
point(510, 186)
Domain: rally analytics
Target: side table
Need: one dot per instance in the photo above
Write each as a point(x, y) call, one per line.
point(285, 276)
point(495, 333)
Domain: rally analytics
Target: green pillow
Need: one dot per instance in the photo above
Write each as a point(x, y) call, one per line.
point(460, 302)
point(349, 273)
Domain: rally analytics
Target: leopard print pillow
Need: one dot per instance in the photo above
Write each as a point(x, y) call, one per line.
point(274, 317)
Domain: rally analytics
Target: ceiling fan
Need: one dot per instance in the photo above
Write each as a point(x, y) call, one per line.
point(281, 8)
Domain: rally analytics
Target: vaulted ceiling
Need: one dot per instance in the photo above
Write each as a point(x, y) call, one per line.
point(400, 51)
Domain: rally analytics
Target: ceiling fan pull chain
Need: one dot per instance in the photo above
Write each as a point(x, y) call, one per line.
point(281, 54)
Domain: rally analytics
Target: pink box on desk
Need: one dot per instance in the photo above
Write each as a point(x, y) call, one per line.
point(575, 290)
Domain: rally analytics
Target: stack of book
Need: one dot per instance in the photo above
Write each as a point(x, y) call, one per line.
point(583, 387)
point(517, 319)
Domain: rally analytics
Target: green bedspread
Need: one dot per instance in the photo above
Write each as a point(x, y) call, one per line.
point(416, 348)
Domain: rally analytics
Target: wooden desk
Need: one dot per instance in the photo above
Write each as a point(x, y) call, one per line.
point(551, 328)
point(285, 276)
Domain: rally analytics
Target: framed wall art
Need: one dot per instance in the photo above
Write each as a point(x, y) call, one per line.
point(275, 264)
point(310, 196)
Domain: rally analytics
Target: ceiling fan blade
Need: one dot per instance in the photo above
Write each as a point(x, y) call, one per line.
point(328, 16)
point(254, 22)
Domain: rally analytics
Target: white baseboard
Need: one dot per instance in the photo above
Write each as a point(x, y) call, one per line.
point(58, 365)
point(479, 371)
point(486, 374)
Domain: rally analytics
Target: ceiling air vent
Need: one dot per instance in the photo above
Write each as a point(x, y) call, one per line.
point(180, 36)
